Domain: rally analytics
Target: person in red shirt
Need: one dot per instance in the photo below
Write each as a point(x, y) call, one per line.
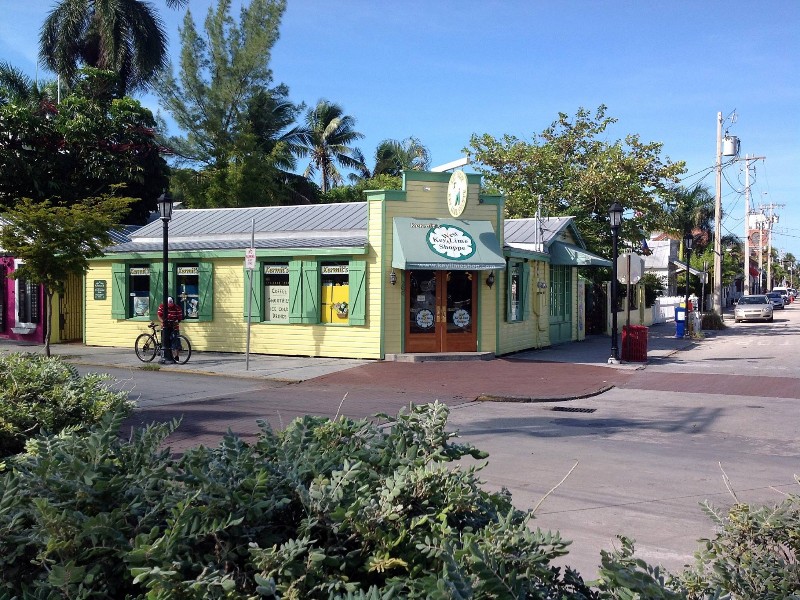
point(174, 316)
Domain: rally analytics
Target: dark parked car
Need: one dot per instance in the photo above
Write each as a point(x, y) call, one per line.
point(777, 299)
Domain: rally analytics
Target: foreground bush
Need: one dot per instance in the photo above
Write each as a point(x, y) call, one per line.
point(324, 509)
point(37, 392)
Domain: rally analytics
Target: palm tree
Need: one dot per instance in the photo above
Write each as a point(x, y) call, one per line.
point(124, 36)
point(392, 157)
point(691, 211)
point(330, 134)
point(16, 87)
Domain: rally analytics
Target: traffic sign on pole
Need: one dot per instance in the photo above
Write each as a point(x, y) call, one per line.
point(250, 259)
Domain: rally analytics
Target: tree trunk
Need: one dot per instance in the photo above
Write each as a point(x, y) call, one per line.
point(48, 319)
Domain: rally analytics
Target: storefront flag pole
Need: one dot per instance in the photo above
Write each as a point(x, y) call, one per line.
point(249, 264)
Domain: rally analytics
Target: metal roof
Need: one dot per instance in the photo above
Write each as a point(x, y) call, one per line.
point(524, 231)
point(305, 226)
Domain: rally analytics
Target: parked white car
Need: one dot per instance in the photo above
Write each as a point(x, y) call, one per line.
point(784, 292)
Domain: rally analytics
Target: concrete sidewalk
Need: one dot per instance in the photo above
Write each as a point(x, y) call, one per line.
point(573, 370)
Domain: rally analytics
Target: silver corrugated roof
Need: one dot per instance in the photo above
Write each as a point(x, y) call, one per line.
point(349, 241)
point(221, 223)
point(523, 231)
point(306, 226)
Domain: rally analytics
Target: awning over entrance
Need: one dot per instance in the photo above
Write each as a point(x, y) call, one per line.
point(442, 244)
point(567, 254)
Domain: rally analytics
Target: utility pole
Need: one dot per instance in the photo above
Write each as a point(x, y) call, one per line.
point(772, 218)
point(747, 213)
point(717, 302)
point(731, 149)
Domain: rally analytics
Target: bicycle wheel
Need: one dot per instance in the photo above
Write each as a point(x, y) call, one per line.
point(146, 347)
point(185, 353)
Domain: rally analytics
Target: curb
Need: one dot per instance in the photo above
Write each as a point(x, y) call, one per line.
point(523, 399)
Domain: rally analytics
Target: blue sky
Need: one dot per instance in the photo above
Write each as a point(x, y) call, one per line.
point(442, 70)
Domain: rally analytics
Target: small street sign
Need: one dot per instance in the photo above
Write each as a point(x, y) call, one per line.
point(250, 259)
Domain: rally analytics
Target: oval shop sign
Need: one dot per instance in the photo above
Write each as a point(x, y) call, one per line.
point(451, 242)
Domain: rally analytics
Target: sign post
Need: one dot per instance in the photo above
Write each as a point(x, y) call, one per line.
point(250, 265)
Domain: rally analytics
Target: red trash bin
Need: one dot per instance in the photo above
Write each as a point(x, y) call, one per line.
point(634, 343)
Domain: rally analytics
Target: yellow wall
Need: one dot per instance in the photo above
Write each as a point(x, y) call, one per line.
point(227, 332)
point(534, 331)
point(421, 200)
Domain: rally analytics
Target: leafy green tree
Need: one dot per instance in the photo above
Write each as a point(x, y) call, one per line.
point(85, 147)
point(331, 135)
point(241, 141)
point(124, 36)
point(56, 241)
point(354, 192)
point(572, 169)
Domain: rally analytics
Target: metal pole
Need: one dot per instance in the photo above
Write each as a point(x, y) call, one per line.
point(760, 257)
point(746, 287)
point(686, 304)
point(250, 296)
point(705, 276)
point(614, 253)
point(718, 223)
point(166, 331)
point(769, 249)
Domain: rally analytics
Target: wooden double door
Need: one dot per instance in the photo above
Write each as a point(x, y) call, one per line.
point(441, 311)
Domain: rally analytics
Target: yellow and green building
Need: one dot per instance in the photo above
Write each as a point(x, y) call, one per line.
point(431, 268)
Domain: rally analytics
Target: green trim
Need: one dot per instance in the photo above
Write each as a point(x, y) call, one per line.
point(526, 291)
point(119, 291)
point(257, 308)
point(85, 299)
point(204, 255)
point(205, 291)
point(523, 254)
point(156, 291)
point(358, 292)
point(310, 283)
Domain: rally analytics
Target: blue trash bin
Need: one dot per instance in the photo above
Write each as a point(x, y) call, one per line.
point(680, 321)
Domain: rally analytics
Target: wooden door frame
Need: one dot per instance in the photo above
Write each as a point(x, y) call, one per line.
point(439, 340)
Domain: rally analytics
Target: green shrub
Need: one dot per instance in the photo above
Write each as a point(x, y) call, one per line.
point(755, 554)
point(41, 393)
point(712, 321)
point(323, 509)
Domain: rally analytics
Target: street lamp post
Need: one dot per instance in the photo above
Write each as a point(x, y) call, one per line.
point(165, 210)
point(688, 242)
point(615, 215)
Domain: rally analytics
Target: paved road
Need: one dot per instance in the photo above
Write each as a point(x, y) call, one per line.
point(653, 448)
point(649, 450)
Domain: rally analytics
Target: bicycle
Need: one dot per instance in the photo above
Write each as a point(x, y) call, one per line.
point(148, 345)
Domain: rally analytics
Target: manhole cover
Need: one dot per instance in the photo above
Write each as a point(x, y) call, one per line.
point(573, 409)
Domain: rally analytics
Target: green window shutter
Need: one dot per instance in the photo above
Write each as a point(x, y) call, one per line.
point(358, 292)
point(524, 298)
point(156, 289)
point(257, 306)
point(205, 280)
point(310, 292)
point(119, 291)
point(509, 265)
point(295, 292)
